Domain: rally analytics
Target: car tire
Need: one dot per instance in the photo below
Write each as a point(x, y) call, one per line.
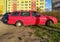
point(49, 23)
point(18, 24)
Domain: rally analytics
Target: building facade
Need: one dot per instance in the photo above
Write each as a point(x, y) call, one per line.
point(16, 5)
point(2, 6)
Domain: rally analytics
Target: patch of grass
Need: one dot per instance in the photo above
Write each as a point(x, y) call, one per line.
point(52, 33)
point(38, 33)
point(55, 36)
point(58, 25)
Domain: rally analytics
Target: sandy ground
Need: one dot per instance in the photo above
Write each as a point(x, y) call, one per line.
point(10, 33)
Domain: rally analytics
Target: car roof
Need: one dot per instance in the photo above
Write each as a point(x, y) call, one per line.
point(24, 11)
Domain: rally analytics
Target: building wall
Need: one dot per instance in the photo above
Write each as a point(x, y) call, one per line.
point(33, 4)
point(9, 5)
point(14, 5)
point(23, 4)
point(17, 5)
point(2, 6)
point(40, 4)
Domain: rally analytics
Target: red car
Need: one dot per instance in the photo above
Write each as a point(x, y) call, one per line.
point(30, 18)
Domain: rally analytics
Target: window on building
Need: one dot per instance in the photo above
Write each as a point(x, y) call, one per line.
point(29, 7)
point(17, 1)
point(41, 0)
point(26, 1)
point(25, 14)
point(41, 6)
point(29, 1)
point(37, 3)
point(22, 2)
point(14, 0)
point(41, 3)
point(26, 7)
point(8, 10)
point(37, 0)
point(8, 0)
point(8, 4)
point(8, 7)
point(26, 4)
point(21, 7)
point(29, 4)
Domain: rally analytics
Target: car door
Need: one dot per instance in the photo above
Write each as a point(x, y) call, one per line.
point(14, 17)
point(26, 18)
point(38, 19)
point(35, 18)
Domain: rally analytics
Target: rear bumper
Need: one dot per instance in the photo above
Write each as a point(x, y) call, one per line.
point(4, 20)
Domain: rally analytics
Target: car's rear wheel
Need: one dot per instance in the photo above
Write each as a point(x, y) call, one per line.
point(49, 23)
point(18, 24)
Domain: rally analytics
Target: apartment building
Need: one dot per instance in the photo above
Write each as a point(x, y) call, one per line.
point(16, 5)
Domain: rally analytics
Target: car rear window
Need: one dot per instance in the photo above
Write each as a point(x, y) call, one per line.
point(25, 14)
point(7, 13)
point(15, 14)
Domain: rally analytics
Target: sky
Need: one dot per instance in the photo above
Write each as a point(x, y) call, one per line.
point(49, 5)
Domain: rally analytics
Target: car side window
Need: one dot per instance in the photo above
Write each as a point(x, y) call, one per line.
point(15, 14)
point(35, 14)
point(25, 14)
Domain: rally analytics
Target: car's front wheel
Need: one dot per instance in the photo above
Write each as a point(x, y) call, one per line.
point(49, 23)
point(18, 24)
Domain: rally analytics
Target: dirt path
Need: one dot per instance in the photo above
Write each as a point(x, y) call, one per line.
point(10, 33)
